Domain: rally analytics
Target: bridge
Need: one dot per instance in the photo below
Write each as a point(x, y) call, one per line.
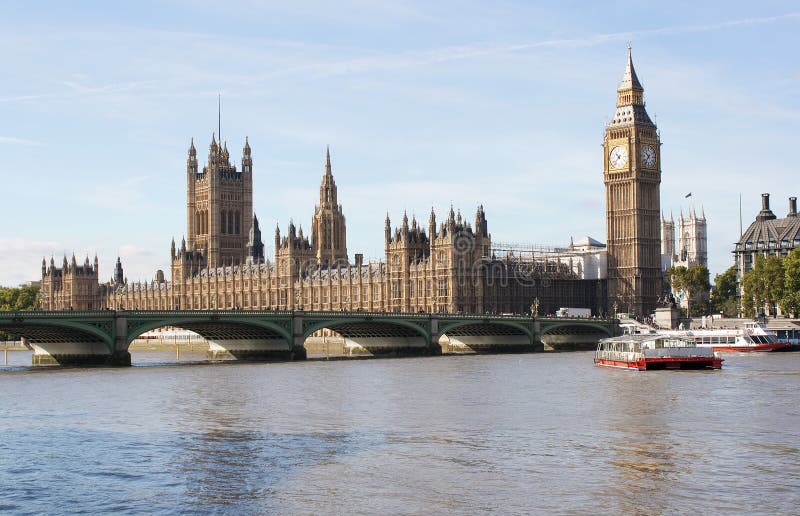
point(104, 337)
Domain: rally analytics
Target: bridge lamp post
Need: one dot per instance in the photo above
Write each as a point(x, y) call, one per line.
point(535, 307)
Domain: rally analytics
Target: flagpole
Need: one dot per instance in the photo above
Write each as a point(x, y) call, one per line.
point(740, 215)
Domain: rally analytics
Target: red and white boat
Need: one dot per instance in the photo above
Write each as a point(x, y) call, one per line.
point(654, 351)
point(754, 336)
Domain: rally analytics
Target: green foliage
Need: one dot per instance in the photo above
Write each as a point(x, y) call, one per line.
point(790, 301)
point(763, 284)
point(725, 296)
point(21, 298)
point(693, 282)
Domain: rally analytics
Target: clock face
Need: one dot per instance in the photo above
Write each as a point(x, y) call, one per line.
point(648, 156)
point(618, 157)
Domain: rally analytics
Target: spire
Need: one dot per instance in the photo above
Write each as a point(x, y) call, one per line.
point(192, 150)
point(246, 150)
point(629, 79)
point(328, 160)
point(702, 212)
point(670, 216)
point(327, 189)
point(255, 247)
point(119, 275)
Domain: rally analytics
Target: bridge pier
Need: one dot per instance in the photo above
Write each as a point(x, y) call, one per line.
point(250, 349)
point(77, 354)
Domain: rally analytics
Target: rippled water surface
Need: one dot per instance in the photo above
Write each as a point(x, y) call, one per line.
point(537, 433)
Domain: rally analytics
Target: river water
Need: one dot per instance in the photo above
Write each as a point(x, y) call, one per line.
point(510, 434)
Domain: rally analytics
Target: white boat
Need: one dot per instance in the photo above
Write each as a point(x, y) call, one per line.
point(659, 351)
point(754, 336)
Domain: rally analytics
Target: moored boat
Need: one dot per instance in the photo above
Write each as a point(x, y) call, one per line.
point(754, 336)
point(657, 351)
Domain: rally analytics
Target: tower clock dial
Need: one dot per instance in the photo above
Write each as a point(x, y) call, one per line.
point(648, 156)
point(618, 157)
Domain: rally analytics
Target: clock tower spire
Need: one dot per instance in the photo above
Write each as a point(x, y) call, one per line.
point(632, 176)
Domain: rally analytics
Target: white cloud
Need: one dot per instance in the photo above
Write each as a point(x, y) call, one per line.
point(10, 140)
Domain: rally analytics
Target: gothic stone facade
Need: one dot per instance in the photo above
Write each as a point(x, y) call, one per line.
point(632, 175)
point(450, 267)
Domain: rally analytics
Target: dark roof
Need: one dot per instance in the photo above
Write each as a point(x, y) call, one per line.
point(765, 230)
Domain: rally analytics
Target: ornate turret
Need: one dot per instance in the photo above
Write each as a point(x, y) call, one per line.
point(255, 247)
point(191, 162)
point(630, 100)
point(119, 275)
point(481, 226)
point(247, 160)
point(328, 229)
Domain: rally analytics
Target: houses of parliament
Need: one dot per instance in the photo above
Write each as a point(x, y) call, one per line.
point(449, 264)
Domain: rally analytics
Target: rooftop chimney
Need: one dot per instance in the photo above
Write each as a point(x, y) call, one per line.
point(765, 213)
point(792, 207)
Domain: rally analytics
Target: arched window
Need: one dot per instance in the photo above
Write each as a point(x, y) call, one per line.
point(230, 223)
point(197, 228)
point(222, 221)
point(237, 230)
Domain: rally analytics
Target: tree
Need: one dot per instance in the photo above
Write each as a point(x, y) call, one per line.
point(692, 281)
point(763, 284)
point(725, 296)
point(21, 298)
point(790, 302)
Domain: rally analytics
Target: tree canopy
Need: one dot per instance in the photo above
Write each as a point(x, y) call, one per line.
point(725, 296)
point(692, 281)
point(790, 302)
point(763, 285)
point(19, 298)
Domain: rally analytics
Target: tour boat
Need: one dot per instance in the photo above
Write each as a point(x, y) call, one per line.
point(754, 336)
point(646, 352)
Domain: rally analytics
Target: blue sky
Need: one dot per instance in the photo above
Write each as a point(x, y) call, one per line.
point(423, 103)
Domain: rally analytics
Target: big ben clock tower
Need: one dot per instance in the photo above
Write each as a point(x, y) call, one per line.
point(632, 175)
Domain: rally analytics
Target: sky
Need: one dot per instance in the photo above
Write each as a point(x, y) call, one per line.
point(424, 104)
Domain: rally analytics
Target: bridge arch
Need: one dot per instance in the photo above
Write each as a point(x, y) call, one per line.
point(549, 329)
point(486, 336)
point(574, 335)
point(214, 327)
point(368, 335)
point(42, 331)
point(449, 327)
